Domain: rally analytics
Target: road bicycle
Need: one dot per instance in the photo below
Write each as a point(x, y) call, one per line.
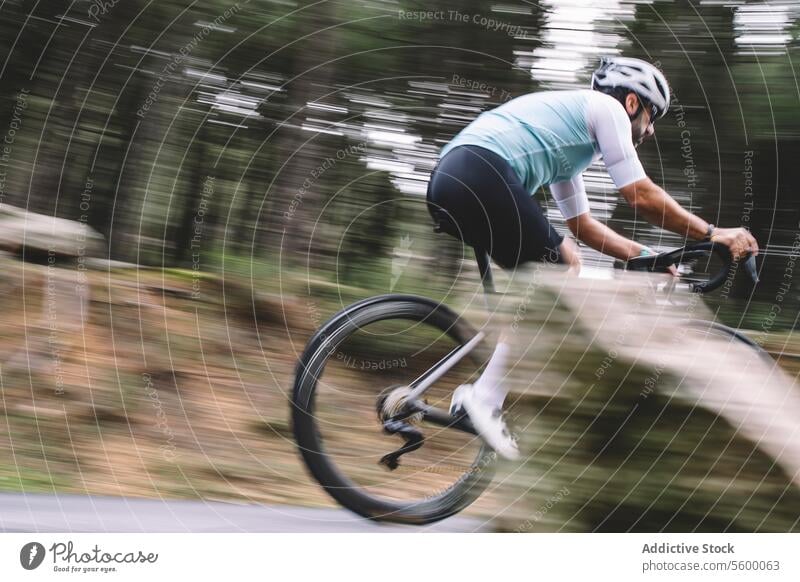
point(373, 386)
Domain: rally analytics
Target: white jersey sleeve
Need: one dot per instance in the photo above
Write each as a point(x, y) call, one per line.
point(570, 196)
point(611, 128)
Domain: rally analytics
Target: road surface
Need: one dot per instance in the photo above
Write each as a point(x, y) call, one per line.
point(77, 513)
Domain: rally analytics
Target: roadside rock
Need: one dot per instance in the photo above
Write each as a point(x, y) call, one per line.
point(38, 233)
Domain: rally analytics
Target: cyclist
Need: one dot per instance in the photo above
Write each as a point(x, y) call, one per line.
point(481, 192)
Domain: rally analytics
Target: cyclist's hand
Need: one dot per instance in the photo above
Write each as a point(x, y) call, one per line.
point(672, 269)
point(571, 255)
point(738, 240)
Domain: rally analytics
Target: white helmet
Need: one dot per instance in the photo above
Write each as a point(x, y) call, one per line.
point(635, 75)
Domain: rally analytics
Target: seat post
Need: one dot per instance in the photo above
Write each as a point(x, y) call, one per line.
point(485, 269)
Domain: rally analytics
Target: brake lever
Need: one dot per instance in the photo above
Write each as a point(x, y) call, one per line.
point(750, 267)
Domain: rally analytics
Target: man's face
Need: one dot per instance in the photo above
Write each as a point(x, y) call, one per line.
point(641, 127)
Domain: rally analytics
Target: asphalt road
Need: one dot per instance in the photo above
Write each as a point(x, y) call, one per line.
point(76, 513)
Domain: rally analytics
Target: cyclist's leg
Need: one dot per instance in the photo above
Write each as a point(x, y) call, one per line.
point(485, 198)
point(486, 201)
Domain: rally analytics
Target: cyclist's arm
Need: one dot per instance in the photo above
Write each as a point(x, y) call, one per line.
point(659, 208)
point(601, 238)
point(612, 130)
point(611, 127)
point(573, 203)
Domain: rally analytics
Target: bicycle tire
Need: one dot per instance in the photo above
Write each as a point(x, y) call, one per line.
point(310, 443)
point(713, 326)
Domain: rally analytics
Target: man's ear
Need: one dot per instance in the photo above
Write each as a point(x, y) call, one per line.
point(631, 103)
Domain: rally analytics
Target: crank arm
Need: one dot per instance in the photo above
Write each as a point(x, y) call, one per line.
point(412, 436)
point(441, 417)
point(413, 440)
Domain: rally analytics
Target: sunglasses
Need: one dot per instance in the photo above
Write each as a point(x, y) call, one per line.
point(652, 109)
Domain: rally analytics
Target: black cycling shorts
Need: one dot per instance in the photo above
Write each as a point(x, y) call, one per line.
point(488, 207)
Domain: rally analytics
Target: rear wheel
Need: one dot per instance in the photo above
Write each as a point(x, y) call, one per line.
point(361, 363)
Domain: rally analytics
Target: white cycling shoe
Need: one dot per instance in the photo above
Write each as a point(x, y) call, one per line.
point(487, 421)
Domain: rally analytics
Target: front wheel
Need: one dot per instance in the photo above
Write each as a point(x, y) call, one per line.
point(714, 329)
point(368, 353)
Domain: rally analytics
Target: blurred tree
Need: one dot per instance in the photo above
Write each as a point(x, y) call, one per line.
point(297, 155)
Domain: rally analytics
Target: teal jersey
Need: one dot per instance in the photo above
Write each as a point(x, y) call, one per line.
point(551, 137)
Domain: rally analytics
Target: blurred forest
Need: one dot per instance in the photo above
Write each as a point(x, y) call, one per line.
point(271, 158)
point(211, 134)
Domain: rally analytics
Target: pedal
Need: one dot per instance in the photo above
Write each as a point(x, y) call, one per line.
point(413, 438)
